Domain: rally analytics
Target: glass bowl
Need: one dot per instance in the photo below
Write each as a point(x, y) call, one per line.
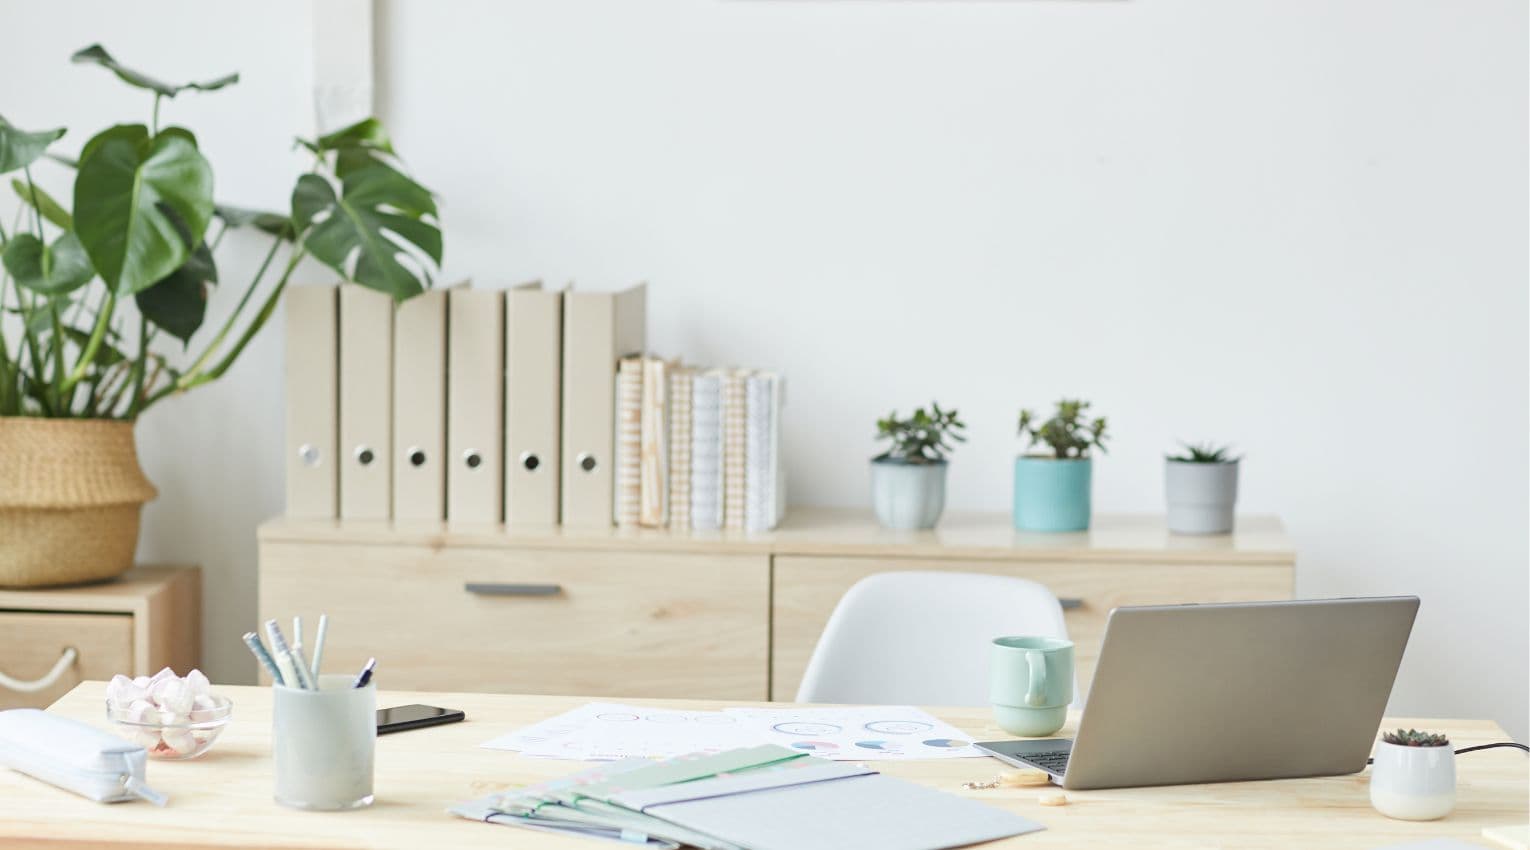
point(182, 739)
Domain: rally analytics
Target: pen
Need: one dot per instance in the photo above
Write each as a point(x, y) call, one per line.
point(300, 667)
point(258, 649)
point(366, 674)
point(318, 645)
point(282, 655)
point(297, 631)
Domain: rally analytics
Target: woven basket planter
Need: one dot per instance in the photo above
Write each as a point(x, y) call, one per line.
point(70, 494)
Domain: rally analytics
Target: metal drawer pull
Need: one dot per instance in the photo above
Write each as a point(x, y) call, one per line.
point(499, 589)
point(1070, 604)
point(48, 679)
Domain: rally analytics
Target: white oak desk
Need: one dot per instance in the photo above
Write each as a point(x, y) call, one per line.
point(224, 798)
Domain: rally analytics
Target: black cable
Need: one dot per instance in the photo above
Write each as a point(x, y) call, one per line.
point(1512, 744)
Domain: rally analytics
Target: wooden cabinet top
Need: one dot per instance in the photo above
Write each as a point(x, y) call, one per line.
point(844, 532)
point(129, 592)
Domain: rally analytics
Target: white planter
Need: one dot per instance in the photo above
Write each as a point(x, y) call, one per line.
point(1413, 783)
point(908, 495)
point(1201, 496)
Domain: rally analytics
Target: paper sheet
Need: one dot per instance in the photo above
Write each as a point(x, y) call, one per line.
point(603, 731)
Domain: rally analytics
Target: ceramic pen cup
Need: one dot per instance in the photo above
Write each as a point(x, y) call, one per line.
point(323, 743)
point(1031, 684)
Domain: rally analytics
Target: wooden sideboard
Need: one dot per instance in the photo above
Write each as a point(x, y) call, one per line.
point(731, 615)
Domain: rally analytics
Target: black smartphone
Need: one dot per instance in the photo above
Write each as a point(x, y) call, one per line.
point(403, 717)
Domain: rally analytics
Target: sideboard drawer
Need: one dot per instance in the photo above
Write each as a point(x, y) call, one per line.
point(31, 643)
point(807, 589)
point(601, 623)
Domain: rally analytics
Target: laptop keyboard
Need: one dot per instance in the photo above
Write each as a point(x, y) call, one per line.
point(1053, 762)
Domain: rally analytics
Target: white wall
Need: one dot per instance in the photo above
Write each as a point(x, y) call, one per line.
point(1300, 226)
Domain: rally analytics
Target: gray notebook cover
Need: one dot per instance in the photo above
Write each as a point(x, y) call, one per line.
point(873, 812)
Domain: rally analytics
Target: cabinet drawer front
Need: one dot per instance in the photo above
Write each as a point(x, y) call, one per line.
point(32, 642)
point(531, 621)
point(807, 589)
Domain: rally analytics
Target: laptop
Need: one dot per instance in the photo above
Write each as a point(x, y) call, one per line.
point(1186, 694)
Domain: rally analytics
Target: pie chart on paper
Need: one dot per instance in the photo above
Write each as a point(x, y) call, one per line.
point(885, 746)
point(947, 743)
point(815, 746)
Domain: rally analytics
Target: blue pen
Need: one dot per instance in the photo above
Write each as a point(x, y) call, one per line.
point(258, 649)
point(282, 655)
point(366, 674)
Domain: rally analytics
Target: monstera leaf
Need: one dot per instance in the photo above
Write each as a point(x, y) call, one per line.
point(48, 269)
point(97, 55)
point(178, 303)
point(19, 149)
point(274, 224)
point(141, 202)
point(52, 210)
point(378, 217)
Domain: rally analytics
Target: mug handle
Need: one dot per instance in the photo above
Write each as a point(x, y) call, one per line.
point(1035, 695)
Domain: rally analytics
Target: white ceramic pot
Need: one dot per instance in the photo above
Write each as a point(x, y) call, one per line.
point(1413, 783)
point(908, 495)
point(1201, 496)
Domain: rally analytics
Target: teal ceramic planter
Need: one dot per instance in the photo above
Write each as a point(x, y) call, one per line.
point(1051, 494)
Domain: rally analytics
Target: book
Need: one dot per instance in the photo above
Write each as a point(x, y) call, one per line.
point(653, 469)
point(706, 452)
point(627, 508)
point(764, 494)
point(680, 384)
point(734, 434)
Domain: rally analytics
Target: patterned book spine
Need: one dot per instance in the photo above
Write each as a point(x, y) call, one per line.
point(654, 509)
point(734, 435)
point(680, 382)
point(759, 466)
point(778, 465)
point(629, 441)
point(706, 452)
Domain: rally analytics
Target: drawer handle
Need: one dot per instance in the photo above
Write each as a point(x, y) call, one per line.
point(1070, 603)
point(48, 680)
point(499, 589)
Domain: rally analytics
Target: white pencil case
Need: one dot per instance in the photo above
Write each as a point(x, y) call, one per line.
point(74, 756)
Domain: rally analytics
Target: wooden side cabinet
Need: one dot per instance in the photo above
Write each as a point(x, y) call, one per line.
point(647, 612)
point(148, 619)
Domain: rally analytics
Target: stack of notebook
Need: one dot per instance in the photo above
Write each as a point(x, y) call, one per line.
point(697, 449)
point(757, 798)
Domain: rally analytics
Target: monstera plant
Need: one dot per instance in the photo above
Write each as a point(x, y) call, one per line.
point(103, 298)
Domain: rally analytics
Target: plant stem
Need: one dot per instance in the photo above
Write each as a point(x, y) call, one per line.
point(139, 367)
point(36, 207)
point(60, 403)
point(228, 325)
point(154, 127)
point(98, 333)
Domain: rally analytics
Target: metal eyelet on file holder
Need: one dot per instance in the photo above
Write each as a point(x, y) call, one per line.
point(586, 461)
point(416, 456)
point(472, 458)
point(530, 461)
point(308, 453)
point(364, 455)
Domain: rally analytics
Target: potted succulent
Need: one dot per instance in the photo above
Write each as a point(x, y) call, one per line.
point(908, 481)
point(96, 287)
point(1413, 775)
point(1201, 487)
point(1052, 487)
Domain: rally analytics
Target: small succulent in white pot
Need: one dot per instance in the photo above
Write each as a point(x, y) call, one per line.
point(1413, 776)
point(908, 481)
point(1201, 488)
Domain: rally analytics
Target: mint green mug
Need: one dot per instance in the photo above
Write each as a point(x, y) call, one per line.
point(1030, 684)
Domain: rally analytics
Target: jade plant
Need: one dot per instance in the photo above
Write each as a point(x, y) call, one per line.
point(89, 298)
point(1070, 433)
point(1415, 738)
point(924, 437)
point(1204, 453)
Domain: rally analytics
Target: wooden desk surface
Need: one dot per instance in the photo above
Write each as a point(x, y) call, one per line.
point(224, 798)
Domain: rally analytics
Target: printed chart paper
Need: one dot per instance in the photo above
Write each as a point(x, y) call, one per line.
point(605, 731)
